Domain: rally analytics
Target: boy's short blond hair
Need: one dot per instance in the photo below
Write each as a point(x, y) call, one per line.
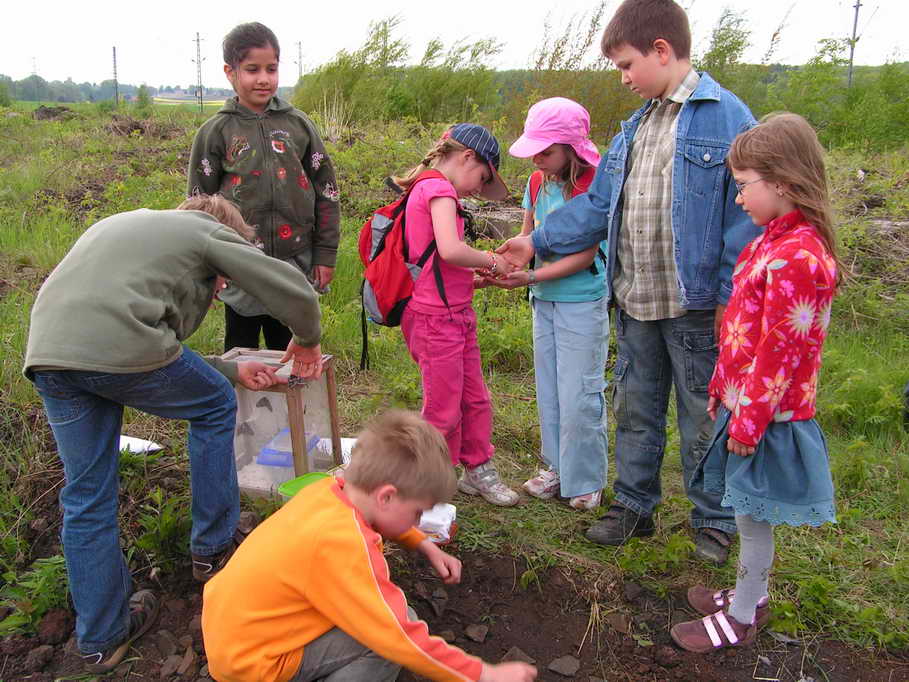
point(403, 449)
point(640, 22)
point(222, 210)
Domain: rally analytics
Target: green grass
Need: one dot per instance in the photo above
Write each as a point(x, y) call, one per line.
point(850, 580)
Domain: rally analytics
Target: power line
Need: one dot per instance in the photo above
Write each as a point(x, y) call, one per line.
point(299, 60)
point(199, 59)
point(858, 4)
point(116, 85)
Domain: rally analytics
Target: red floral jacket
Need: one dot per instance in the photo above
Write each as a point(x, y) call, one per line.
point(774, 328)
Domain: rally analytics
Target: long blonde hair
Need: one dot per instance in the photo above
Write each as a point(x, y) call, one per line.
point(784, 148)
point(221, 209)
point(571, 173)
point(442, 148)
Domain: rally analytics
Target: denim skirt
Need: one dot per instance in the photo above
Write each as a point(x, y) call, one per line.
point(786, 480)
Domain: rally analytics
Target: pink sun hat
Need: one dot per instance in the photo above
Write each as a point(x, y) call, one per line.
point(557, 120)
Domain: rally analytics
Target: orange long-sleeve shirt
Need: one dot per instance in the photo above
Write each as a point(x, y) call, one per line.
point(313, 565)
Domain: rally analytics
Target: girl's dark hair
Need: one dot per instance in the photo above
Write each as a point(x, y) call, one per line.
point(244, 38)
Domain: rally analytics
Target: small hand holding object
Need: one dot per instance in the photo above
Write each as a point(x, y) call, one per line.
point(739, 448)
point(518, 251)
point(322, 276)
point(307, 361)
point(256, 375)
point(446, 566)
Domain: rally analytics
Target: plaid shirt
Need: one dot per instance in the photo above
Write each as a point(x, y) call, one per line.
point(646, 282)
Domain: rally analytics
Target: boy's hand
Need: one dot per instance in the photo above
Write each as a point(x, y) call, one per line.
point(718, 322)
point(508, 672)
point(739, 448)
point(518, 251)
point(446, 566)
point(307, 361)
point(256, 375)
point(712, 404)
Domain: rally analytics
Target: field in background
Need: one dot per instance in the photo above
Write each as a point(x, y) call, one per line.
point(849, 581)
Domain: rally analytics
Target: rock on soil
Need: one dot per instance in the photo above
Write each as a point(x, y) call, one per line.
point(516, 654)
point(477, 633)
point(566, 665)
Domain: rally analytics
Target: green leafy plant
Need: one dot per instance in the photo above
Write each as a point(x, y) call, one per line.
point(165, 525)
point(32, 594)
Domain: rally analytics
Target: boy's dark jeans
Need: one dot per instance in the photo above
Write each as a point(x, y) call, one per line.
point(652, 358)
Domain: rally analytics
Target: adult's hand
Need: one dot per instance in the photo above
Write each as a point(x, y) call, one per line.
point(256, 375)
point(322, 276)
point(307, 361)
point(518, 251)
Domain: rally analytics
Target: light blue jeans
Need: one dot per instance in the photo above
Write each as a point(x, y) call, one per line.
point(85, 411)
point(570, 341)
point(653, 357)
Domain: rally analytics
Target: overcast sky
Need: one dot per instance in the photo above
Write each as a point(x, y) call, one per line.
point(155, 42)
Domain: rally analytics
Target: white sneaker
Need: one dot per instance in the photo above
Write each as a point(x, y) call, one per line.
point(588, 501)
point(545, 485)
point(484, 480)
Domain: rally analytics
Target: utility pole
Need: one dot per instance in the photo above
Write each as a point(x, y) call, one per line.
point(858, 3)
point(198, 61)
point(299, 60)
point(34, 66)
point(116, 87)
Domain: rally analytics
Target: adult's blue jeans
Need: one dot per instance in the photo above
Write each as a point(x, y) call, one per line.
point(85, 411)
point(569, 360)
point(652, 358)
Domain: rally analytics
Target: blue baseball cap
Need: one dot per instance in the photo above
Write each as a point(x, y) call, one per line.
point(484, 143)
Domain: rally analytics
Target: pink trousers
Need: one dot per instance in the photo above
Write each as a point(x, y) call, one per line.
point(455, 398)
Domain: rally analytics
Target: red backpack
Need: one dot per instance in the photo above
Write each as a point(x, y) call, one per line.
point(389, 275)
point(582, 185)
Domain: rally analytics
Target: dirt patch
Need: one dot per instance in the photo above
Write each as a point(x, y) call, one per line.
point(491, 615)
point(126, 126)
point(43, 113)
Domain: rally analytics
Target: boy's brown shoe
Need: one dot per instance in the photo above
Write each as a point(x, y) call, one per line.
point(618, 525)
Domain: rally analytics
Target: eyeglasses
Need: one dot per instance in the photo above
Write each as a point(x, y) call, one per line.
point(740, 186)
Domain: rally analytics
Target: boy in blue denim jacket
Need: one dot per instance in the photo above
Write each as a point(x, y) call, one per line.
point(665, 201)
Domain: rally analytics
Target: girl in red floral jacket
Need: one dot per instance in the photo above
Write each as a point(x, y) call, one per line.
point(763, 390)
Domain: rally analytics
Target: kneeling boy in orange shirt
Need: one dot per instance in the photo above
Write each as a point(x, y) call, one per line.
point(308, 593)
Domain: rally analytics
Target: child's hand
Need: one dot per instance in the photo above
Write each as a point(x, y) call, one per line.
point(322, 276)
point(519, 278)
point(480, 280)
point(256, 375)
point(712, 404)
point(739, 448)
point(508, 672)
point(307, 361)
point(518, 251)
point(446, 566)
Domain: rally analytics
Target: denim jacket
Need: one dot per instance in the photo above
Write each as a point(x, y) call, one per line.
point(708, 229)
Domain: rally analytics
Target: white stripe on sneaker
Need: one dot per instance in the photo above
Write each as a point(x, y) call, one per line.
point(711, 631)
point(726, 626)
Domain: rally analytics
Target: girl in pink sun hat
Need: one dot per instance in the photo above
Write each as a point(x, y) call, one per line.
point(569, 301)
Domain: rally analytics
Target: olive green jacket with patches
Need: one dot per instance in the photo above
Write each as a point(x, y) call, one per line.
point(275, 168)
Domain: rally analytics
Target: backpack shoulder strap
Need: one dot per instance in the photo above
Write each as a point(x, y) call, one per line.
point(536, 184)
point(583, 183)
